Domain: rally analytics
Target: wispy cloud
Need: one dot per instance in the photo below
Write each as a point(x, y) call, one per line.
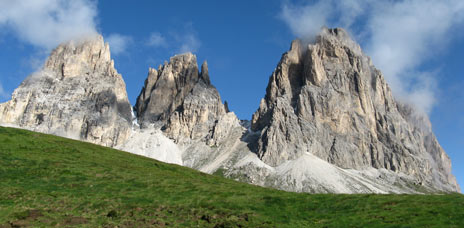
point(305, 21)
point(403, 35)
point(47, 23)
point(185, 40)
point(189, 43)
point(156, 40)
point(118, 43)
point(398, 35)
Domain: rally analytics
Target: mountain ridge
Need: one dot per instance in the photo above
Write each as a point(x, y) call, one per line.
point(297, 128)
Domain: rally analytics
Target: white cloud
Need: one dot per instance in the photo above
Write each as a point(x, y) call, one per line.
point(156, 40)
point(398, 35)
point(419, 89)
point(35, 60)
point(47, 23)
point(306, 21)
point(118, 43)
point(403, 35)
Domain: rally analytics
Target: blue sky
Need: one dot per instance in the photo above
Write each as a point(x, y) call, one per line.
point(417, 44)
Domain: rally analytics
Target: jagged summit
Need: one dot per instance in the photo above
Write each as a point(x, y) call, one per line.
point(77, 94)
point(166, 88)
point(340, 36)
point(181, 100)
point(75, 58)
point(169, 84)
point(327, 99)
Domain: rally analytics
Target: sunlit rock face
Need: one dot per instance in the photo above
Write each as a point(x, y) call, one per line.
point(327, 99)
point(78, 94)
point(183, 102)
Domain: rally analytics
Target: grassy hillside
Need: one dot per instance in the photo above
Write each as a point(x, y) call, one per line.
point(51, 181)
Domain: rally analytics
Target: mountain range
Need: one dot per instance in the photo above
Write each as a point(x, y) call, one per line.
point(328, 121)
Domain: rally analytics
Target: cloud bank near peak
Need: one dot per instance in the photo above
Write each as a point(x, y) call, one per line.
point(118, 43)
point(400, 36)
point(47, 23)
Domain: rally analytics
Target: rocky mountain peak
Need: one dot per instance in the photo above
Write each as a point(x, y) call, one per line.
point(86, 56)
point(166, 88)
point(77, 94)
point(181, 100)
point(338, 37)
point(327, 99)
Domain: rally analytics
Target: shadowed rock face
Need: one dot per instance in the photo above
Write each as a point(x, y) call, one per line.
point(182, 100)
point(327, 99)
point(77, 94)
point(166, 88)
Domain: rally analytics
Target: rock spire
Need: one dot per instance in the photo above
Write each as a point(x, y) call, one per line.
point(182, 101)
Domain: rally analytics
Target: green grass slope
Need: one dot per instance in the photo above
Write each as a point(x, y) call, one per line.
point(51, 181)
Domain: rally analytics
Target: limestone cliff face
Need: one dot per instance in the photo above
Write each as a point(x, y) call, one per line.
point(166, 88)
point(327, 99)
point(77, 94)
point(183, 102)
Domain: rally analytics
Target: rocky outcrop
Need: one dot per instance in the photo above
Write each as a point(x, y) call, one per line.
point(328, 100)
point(183, 102)
point(166, 88)
point(77, 94)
